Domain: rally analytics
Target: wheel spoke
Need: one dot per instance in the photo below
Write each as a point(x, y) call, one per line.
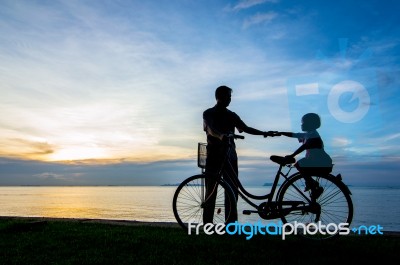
point(189, 198)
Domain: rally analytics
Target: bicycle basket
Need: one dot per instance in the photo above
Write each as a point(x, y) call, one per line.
point(201, 155)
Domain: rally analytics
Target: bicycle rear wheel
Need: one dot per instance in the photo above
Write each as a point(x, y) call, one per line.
point(189, 200)
point(320, 219)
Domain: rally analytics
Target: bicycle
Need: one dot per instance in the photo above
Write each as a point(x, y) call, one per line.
point(286, 200)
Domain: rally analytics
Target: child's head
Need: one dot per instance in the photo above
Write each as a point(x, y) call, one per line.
point(310, 122)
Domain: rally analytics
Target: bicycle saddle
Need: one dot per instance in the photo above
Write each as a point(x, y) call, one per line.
point(282, 160)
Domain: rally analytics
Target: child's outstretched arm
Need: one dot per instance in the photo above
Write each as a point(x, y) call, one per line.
point(294, 135)
point(288, 134)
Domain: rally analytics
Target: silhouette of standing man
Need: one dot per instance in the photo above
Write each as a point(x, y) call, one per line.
point(218, 122)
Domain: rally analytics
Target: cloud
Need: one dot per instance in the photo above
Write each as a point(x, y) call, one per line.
point(245, 4)
point(49, 176)
point(259, 18)
point(28, 172)
point(254, 170)
point(340, 142)
point(391, 137)
point(34, 148)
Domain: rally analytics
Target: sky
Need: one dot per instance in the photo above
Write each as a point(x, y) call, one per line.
point(112, 92)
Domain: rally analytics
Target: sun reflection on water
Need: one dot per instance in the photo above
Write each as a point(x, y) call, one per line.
point(119, 203)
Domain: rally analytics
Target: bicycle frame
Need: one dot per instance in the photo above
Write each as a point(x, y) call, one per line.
point(245, 195)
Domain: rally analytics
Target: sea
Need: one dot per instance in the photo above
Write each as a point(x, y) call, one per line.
point(372, 205)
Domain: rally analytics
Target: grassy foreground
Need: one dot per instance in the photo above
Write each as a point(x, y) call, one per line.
point(63, 242)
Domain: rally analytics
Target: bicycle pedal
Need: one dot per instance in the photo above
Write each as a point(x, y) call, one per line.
point(248, 212)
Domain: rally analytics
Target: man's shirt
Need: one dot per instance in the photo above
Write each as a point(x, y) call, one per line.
point(218, 121)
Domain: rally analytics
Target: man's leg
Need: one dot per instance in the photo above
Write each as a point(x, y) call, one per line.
point(213, 164)
point(231, 177)
point(210, 197)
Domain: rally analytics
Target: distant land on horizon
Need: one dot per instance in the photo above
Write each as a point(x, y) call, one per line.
point(177, 184)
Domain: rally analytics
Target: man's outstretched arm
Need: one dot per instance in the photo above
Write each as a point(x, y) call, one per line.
point(253, 131)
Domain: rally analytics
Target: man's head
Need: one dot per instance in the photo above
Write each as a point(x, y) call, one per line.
point(223, 95)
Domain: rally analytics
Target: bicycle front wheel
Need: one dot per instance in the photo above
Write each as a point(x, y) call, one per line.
point(322, 218)
point(189, 199)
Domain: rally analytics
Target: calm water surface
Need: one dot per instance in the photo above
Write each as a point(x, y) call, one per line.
point(373, 205)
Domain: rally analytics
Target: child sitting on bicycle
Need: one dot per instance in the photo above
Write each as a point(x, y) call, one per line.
point(316, 161)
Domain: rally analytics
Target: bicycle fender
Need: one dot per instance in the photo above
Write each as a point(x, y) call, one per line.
point(345, 187)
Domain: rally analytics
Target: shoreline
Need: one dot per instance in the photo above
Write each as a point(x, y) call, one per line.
point(93, 221)
point(127, 222)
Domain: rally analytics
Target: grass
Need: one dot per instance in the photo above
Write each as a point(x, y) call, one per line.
point(63, 242)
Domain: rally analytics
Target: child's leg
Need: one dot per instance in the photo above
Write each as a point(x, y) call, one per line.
point(305, 172)
point(310, 183)
point(313, 185)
